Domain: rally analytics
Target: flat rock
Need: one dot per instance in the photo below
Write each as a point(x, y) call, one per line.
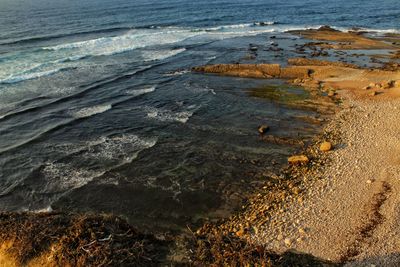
point(298, 159)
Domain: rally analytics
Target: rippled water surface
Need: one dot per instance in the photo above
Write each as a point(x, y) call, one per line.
point(99, 110)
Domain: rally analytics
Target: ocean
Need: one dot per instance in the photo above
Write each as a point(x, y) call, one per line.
point(99, 111)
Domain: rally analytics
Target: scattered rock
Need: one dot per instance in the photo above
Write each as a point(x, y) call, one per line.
point(366, 87)
point(241, 232)
point(298, 159)
point(374, 93)
point(288, 242)
point(262, 129)
point(302, 231)
point(331, 93)
point(325, 146)
point(370, 181)
point(387, 84)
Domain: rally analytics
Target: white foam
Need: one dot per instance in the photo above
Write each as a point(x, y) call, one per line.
point(137, 92)
point(71, 58)
point(178, 73)
point(61, 177)
point(44, 210)
point(265, 23)
point(234, 26)
point(90, 111)
point(28, 76)
point(109, 152)
point(167, 115)
point(123, 148)
point(161, 54)
point(132, 40)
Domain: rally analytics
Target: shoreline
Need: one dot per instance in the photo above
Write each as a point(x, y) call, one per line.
point(337, 208)
point(340, 207)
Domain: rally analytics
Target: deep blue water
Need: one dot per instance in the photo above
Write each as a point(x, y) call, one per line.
point(99, 111)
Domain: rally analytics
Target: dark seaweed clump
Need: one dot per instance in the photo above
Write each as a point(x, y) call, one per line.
point(78, 240)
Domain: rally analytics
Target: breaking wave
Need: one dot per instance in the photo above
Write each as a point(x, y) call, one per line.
point(29, 76)
point(137, 92)
point(168, 115)
point(90, 111)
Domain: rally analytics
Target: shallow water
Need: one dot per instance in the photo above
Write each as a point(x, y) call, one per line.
point(99, 110)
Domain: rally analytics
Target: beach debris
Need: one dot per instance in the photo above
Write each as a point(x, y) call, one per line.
point(298, 159)
point(262, 129)
point(325, 146)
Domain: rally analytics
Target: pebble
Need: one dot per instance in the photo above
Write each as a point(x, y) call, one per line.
point(331, 93)
point(372, 93)
point(325, 146)
point(302, 231)
point(288, 242)
point(263, 128)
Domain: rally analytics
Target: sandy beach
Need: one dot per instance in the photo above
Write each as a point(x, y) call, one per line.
point(341, 205)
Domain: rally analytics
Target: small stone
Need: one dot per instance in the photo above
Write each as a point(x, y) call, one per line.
point(366, 87)
point(325, 146)
point(298, 159)
point(280, 237)
point(302, 231)
point(241, 232)
point(331, 93)
point(262, 129)
point(387, 84)
point(374, 93)
point(288, 242)
point(296, 190)
point(370, 181)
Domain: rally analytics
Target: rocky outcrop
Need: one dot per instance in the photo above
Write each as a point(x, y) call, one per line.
point(315, 62)
point(243, 70)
